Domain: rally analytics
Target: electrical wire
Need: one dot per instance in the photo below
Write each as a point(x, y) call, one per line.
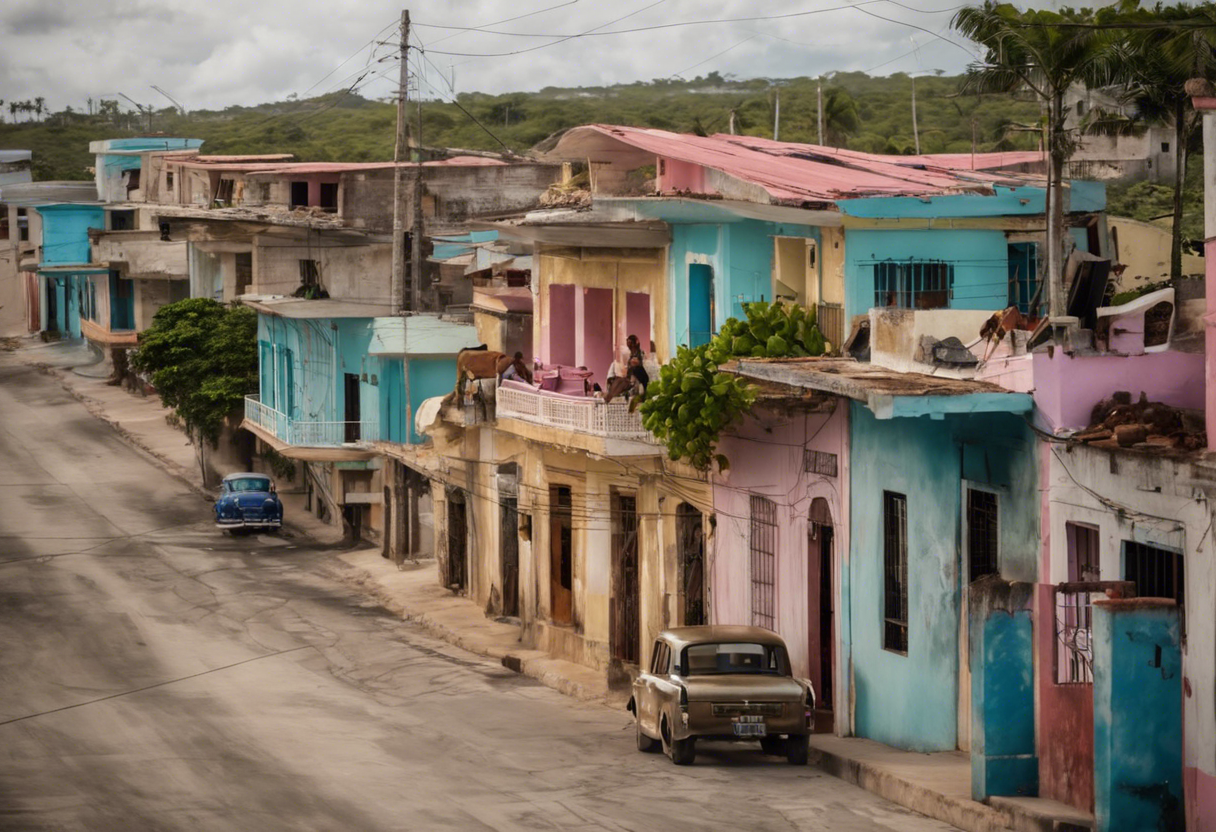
point(500, 22)
point(348, 60)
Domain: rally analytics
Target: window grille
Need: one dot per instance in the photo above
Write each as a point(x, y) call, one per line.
point(1157, 573)
point(1074, 643)
point(915, 284)
point(819, 462)
point(763, 544)
point(982, 532)
point(895, 572)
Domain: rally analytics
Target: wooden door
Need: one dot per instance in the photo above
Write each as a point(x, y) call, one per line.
point(561, 555)
point(509, 537)
point(624, 612)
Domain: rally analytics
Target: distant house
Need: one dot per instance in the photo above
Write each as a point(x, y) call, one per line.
point(1150, 155)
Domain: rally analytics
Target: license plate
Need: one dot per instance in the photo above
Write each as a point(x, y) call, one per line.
point(750, 726)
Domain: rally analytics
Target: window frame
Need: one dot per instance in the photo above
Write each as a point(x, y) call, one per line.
point(909, 278)
point(895, 624)
point(1178, 576)
point(970, 488)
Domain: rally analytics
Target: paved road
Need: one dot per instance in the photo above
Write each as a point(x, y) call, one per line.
point(156, 675)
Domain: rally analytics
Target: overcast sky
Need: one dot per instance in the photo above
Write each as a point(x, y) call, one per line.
point(213, 53)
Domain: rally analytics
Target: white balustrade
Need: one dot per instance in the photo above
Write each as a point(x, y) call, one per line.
point(308, 434)
point(585, 415)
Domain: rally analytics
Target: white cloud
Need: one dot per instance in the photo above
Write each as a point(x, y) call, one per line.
point(225, 52)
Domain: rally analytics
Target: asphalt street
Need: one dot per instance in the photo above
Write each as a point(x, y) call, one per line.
point(157, 675)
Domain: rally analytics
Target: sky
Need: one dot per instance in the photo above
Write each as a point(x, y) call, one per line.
point(216, 53)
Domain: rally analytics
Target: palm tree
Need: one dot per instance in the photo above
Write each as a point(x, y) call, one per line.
point(1152, 64)
point(1045, 52)
point(39, 106)
point(840, 117)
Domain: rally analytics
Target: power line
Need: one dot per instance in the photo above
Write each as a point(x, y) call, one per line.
point(499, 22)
point(348, 60)
point(858, 6)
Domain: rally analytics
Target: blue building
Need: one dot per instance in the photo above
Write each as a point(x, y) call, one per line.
point(64, 268)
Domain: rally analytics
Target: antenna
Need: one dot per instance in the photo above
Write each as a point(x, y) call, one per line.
point(180, 108)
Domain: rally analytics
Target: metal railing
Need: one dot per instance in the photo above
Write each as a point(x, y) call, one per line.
point(311, 434)
point(1074, 659)
point(585, 415)
point(830, 318)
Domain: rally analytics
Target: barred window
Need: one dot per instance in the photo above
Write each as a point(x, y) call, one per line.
point(1158, 573)
point(913, 284)
point(763, 545)
point(895, 571)
point(982, 533)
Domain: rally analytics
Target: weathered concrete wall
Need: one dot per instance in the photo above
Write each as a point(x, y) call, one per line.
point(766, 456)
point(361, 273)
point(451, 193)
point(141, 254)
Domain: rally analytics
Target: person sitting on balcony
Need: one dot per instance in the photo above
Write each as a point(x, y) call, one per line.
point(632, 384)
point(517, 369)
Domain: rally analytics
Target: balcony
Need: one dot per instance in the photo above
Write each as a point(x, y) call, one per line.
point(577, 421)
point(314, 441)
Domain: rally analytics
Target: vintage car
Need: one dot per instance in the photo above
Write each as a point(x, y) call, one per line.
point(721, 683)
point(248, 501)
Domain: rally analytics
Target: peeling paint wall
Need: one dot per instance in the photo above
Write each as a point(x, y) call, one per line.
point(912, 701)
point(351, 272)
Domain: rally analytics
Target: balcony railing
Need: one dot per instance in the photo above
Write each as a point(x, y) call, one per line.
point(577, 413)
point(308, 434)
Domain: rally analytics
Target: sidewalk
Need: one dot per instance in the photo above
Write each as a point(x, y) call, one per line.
point(936, 785)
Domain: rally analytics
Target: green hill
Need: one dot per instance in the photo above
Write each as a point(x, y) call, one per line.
point(865, 113)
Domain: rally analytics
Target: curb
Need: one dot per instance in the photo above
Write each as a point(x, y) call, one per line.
point(535, 664)
point(968, 815)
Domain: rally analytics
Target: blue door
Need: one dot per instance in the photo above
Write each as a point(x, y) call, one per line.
point(700, 304)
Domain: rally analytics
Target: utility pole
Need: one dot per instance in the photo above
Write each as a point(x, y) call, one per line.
point(400, 154)
point(820, 119)
point(915, 129)
point(732, 122)
point(777, 115)
point(416, 234)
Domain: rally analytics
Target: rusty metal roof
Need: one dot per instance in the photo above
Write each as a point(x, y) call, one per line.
point(790, 173)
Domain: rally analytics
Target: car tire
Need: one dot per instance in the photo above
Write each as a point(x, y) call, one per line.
point(798, 749)
point(684, 752)
point(772, 746)
point(645, 743)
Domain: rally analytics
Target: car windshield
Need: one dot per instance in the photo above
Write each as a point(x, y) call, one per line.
point(249, 484)
point(734, 657)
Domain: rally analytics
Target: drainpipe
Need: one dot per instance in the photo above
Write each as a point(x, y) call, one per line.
point(1203, 98)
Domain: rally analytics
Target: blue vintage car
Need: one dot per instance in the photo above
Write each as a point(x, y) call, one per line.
point(248, 501)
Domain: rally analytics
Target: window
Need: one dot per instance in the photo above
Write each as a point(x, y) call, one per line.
point(819, 462)
point(244, 271)
point(1024, 276)
point(895, 572)
point(23, 225)
point(763, 544)
point(132, 180)
point(299, 194)
point(1083, 562)
point(915, 284)
point(169, 180)
point(1158, 573)
point(3, 222)
point(742, 657)
point(309, 273)
point(329, 196)
point(223, 192)
point(122, 220)
point(661, 659)
point(1165, 147)
point(1074, 642)
point(982, 533)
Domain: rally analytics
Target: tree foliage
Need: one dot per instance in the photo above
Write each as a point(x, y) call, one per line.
point(692, 401)
point(201, 357)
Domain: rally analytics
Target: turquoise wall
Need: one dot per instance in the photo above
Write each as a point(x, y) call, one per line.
point(65, 232)
point(910, 701)
point(1137, 716)
point(980, 259)
point(121, 163)
point(393, 416)
point(1083, 197)
point(741, 256)
point(428, 377)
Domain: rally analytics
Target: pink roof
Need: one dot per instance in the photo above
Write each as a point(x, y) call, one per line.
point(278, 164)
point(984, 161)
point(790, 173)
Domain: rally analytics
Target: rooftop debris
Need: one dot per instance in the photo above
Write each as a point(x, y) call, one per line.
point(1143, 425)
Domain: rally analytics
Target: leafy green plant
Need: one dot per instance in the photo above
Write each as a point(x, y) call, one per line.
point(201, 357)
point(283, 468)
point(692, 401)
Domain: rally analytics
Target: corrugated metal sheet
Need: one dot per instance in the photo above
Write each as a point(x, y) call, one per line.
point(790, 173)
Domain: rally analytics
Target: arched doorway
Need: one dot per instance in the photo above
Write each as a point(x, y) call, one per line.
point(820, 537)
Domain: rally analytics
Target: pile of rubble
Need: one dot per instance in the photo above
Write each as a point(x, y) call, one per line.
point(1143, 425)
